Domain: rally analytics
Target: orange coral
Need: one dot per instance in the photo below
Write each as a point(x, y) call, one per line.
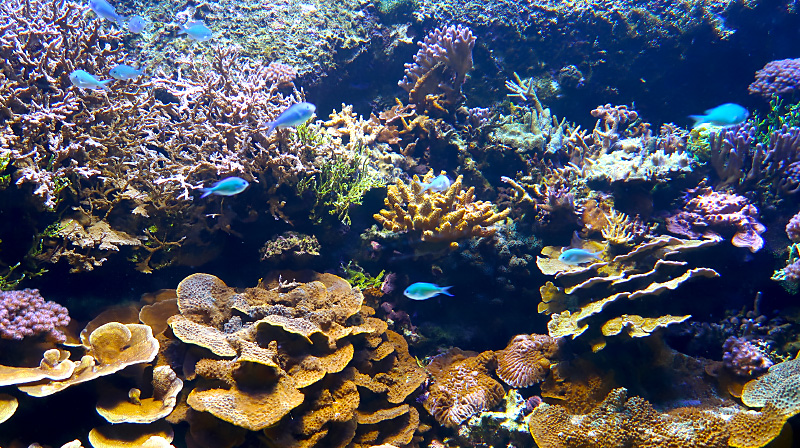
point(461, 386)
point(526, 359)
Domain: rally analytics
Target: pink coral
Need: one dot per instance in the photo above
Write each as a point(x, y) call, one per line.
point(793, 228)
point(744, 358)
point(780, 77)
point(25, 313)
point(281, 74)
point(709, 211)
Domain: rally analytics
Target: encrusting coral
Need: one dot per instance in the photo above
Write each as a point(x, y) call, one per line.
point(446, 216)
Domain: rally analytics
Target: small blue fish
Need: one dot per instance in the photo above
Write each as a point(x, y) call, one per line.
point(84, 80)
point(295, 115)
point(226, 187)
point(197, 30)
point(124, 72)
point(104, 9)
point(137, 24)
point(578, 256)
point(424, 291)
point(439, 183)
point(728, 114)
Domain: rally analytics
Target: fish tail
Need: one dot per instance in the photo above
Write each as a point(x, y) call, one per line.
point(446, 290)
point(272, 127)
point(698, 120)
point(103, 84)
point(206, 192)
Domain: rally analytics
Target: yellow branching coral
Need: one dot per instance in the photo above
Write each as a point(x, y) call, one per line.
point(448, 216)
point(620, 229)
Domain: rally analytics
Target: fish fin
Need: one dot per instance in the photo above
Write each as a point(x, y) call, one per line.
point(445, 290)
point(698, 119)
point(206, 192)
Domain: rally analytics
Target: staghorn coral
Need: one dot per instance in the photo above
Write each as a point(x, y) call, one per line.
point(25, 313)
point(526, 360)
point(593, 293)
point(706, 211)
point(438, 216)
point(461, 386)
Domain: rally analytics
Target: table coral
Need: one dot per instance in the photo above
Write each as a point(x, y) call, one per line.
point(592, 293)
point(135, 409)
point(707, 211)
point(526, 360)
point(306, 346)
point(438, 216)
point(25, 313)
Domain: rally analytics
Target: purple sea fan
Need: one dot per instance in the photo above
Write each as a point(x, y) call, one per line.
point(25, 313)
point(780, 77)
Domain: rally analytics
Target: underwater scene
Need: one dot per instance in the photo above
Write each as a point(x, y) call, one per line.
point(399, 223)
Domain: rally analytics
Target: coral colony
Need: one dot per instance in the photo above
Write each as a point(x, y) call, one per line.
point(401, 224)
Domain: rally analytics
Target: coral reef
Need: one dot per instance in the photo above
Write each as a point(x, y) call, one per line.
point(778, 78)
point(25, 313)
point(445, 216)
point(707, 211)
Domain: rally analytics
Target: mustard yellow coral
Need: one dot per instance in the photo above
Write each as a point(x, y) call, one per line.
point(448, 215)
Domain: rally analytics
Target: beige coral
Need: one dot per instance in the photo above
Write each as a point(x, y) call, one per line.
point(526, 359)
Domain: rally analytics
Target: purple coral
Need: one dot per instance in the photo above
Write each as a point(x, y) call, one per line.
point(777, 78)
point(25, 313)
point(743, 358)
point(793, 228)
point(444, 57)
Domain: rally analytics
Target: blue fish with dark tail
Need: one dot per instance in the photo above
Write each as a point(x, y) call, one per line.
point(226, 187)
point(296, 114)
point(424, 291)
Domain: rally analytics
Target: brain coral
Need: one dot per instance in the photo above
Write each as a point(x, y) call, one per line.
point(526, 359)
point(461, 387)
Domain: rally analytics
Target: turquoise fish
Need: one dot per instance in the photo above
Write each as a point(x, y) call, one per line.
point(137, 24)
point(439, 183)
point(124, 72)
point(104, 9)
point(424, 291)
point(728, 114)
point(197, 30)
point(84, 80)
point(576, 256)
point(295, 115)
point(226, 187)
